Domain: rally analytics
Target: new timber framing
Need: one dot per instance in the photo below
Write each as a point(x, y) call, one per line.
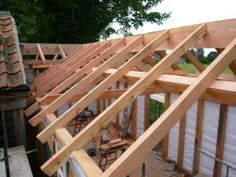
point(204, 86)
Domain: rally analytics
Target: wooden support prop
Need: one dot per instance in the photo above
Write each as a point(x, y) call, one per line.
point(139, 149)
point(220, 139)
point(41, 53)
point(102, 119)
point(165, 141)
point(62, 52)
point(146, 112)
point(85, 70)
point(198, 137)
point(118, 116)
point(98, 90)
point(182, 124)
point(194, 60)
point(82, 85)
point(134, 119)
point(55, 57)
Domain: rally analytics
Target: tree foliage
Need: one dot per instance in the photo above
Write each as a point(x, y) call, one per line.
point(79, 21)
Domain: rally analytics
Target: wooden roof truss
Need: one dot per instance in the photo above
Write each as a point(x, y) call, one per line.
point(104, 63)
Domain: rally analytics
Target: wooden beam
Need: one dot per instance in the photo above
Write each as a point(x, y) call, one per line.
point(220, 91)
point(220, 140)
point(41, 53)
point(39, 62)
point(97, 91)
point(194, 60)
point(198, 137)
point(62, 52)
point(162, 54)
point(82, 85)
point(182, 124)
point(102, 119)
point(232, 65)
point(165, 141)
point(63, 136)
point(217, 38)
point(134, 119)
point(139, 149)
point(146, 112)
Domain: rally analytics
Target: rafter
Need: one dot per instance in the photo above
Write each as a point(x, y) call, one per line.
point(83, 84)
point(50, 167)
point(81, 72)
point(160, 128)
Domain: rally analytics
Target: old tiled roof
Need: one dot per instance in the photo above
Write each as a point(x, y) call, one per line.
point(12, 74)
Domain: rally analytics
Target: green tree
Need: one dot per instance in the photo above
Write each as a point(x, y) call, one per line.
point(79, 21)
point(212, 56)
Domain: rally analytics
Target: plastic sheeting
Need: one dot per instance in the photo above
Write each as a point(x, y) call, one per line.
point(209, 138)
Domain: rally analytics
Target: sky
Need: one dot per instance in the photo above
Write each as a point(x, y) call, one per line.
point(188, 12)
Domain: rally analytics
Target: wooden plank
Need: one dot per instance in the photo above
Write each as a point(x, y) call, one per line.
point(58, 159)
point(165, 141)
point(98, 90)
point(62, 52)
point(139, 149)
point(198, 137)
point(180, 156)
point(220, 140)
point(82, 85)
point(194, 60)
point(42, 57)
point(55, 57)
point(39, 62)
